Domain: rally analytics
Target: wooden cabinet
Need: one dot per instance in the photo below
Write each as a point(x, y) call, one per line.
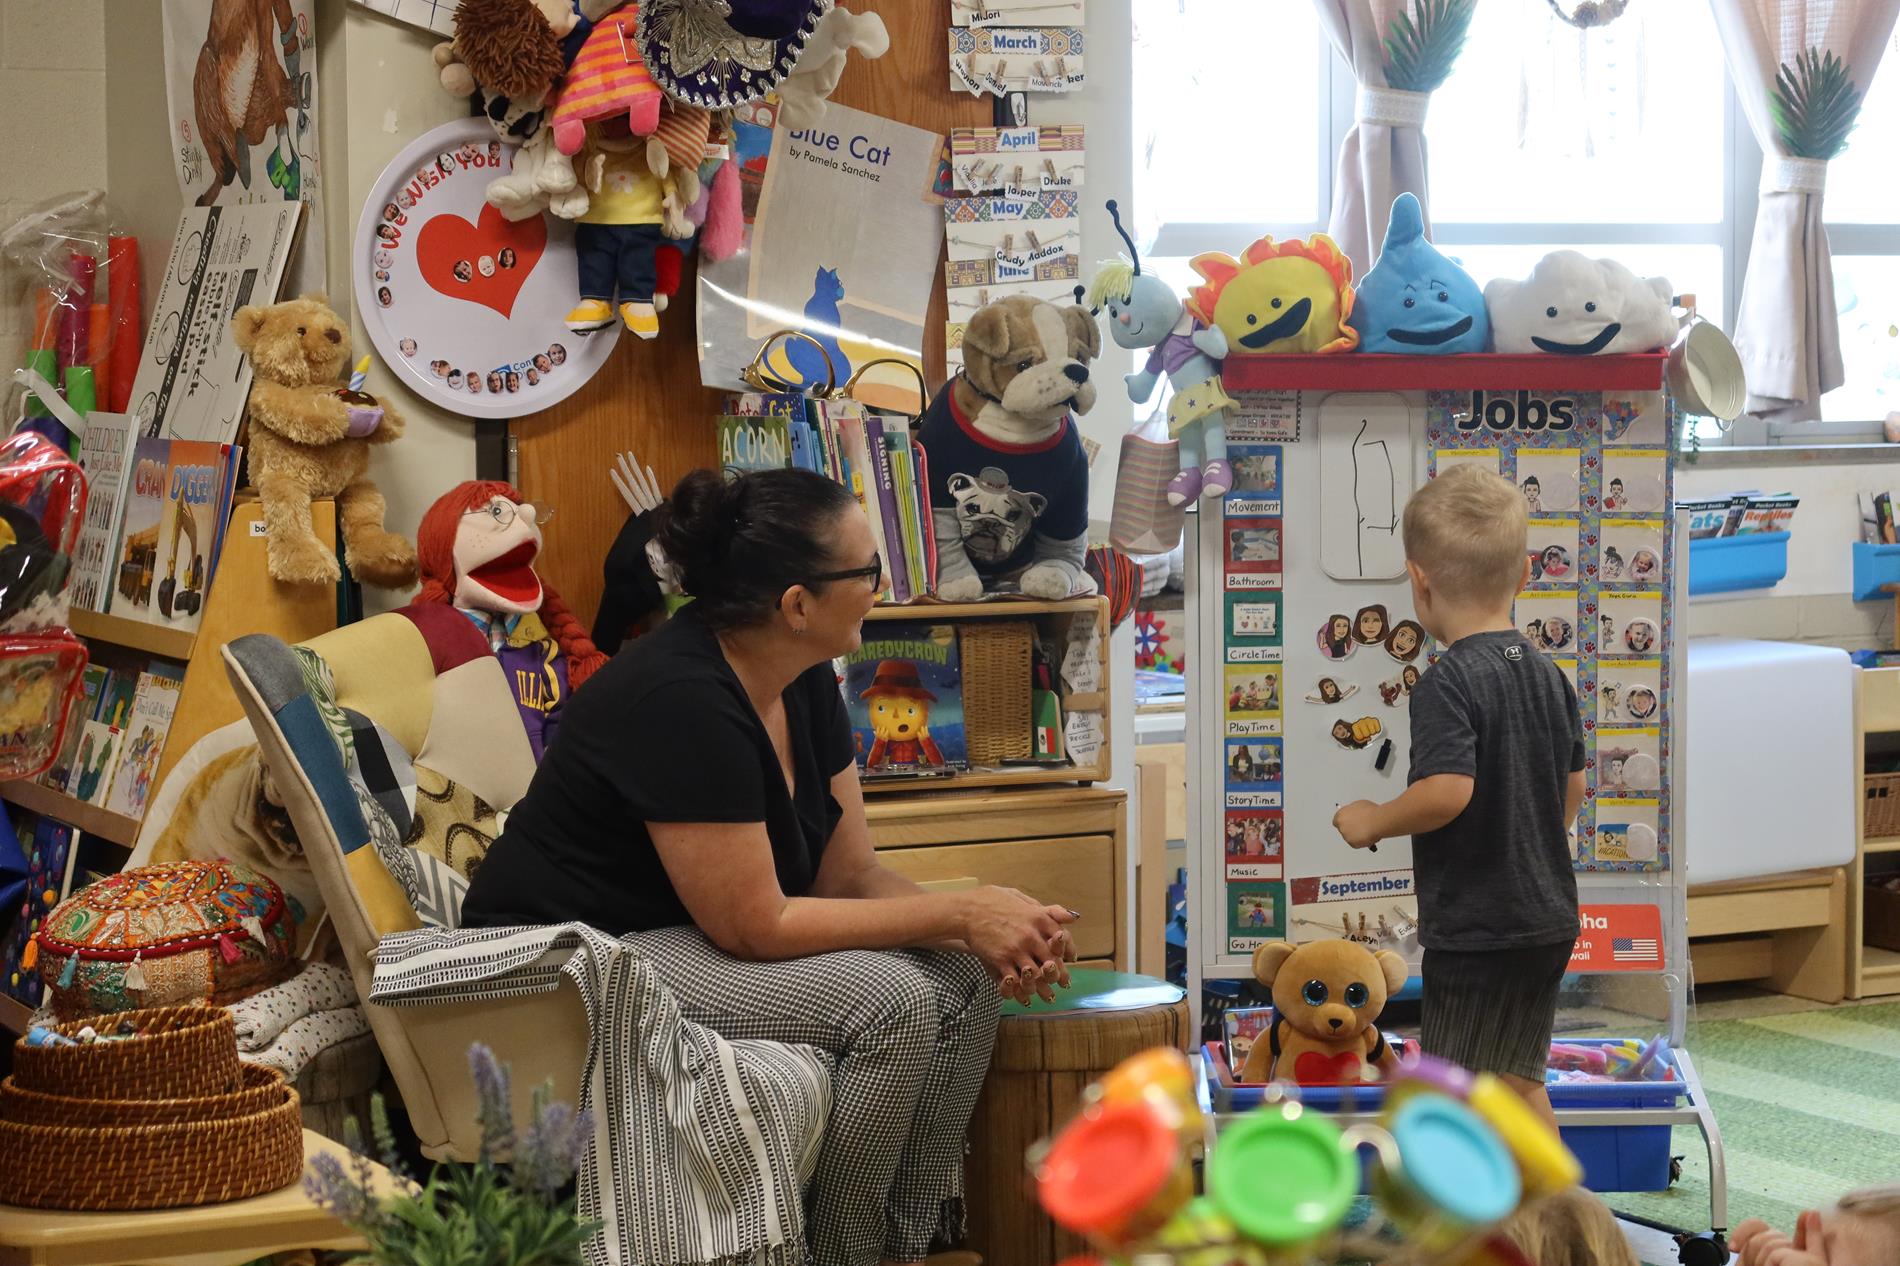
point(1063, 845)
point(1872, 970)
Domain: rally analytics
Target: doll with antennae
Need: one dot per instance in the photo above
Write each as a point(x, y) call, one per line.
point(1144, 311)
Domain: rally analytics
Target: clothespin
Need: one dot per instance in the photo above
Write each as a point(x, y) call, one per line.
point(1062, 69)
point(983, 298)
point(1049, 168)
point(1019, 176)
point(1042, 70)
point(1009, 243)
point(1002, 69)
point(1030, 233)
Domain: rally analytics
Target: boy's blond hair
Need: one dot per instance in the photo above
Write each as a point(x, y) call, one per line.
point(1878, 1210)
point(1469, 532)
point(1571, 1228)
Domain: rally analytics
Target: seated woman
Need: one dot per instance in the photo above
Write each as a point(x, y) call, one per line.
point(702, 793)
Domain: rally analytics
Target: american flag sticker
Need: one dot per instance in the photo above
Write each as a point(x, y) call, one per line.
point(1635, 949)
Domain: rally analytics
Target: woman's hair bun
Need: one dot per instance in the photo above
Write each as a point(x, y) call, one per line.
point(697, 523)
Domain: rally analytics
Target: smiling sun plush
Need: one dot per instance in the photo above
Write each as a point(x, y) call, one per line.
point(1292, 296)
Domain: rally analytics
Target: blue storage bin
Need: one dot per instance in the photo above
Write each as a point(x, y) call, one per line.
point(1621, 1157)
point(1725, 564)
point(1614, 1157)
point(1874, 566)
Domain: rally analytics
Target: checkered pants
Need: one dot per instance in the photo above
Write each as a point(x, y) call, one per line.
point(911, 1032)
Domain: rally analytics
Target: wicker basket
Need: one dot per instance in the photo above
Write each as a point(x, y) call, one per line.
point(997, 671)
point(263, 1087)
point(153, 1166)
point(180, 1053)
point(1883, 805)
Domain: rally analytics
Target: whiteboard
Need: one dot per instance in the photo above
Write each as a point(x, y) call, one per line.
point(1368, 466)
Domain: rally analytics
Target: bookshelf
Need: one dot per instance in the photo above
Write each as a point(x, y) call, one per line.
point(1051, 618)
point(61, 807)
point(133, 635)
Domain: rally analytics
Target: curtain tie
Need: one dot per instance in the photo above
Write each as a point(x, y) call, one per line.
point(1392, 107)
point(1794, 175)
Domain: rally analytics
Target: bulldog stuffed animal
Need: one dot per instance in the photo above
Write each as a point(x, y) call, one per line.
point(1009, 482)
point(1327, 996)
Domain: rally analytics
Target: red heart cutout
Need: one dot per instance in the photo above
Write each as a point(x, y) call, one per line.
point(1314, 1069)
point(447, 240)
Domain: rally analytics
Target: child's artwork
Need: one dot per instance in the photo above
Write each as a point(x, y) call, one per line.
point(1256, 914)
point(49, 860)
point(1632, 553)
point(1254, 773)
point(1549, 620)
point(1553, 551)
point(1548, 479)
point(903, 687)
point(1634, 481)
point(1601, 553)
point(241, 84)
point(843, 245)
point(1255, 843)
point(465, 306)
point(1639, 419)
point(1253, 699)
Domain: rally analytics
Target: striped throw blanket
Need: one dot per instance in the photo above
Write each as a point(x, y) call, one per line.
point(702, 1146)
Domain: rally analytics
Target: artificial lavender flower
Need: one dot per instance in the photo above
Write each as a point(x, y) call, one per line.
point(492, 1095)
point(548, 1154)
point(327, 1184)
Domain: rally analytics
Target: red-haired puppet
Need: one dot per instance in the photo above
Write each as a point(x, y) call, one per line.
point(475, 551)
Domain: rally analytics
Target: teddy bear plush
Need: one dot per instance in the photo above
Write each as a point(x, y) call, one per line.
point(310, 437)
point(1327, 996)
point(1009, 482)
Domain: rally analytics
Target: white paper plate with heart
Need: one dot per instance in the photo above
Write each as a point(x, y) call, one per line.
point(465, 306)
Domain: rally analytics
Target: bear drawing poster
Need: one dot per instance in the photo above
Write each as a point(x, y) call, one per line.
point(241, 84)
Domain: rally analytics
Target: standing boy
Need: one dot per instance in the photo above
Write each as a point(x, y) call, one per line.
point(1496, 780)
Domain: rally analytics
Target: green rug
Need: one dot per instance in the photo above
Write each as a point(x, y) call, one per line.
point(1808, 1106)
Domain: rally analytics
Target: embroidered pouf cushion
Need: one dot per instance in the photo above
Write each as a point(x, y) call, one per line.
point(163, 935)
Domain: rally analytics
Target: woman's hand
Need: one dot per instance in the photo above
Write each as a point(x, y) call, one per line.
point(635, 483)
point(1020, 940)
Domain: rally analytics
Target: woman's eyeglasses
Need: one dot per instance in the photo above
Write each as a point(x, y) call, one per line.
point(874, 572)
point(502, 511)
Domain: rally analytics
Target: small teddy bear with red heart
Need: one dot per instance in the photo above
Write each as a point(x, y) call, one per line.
point(1327, 996)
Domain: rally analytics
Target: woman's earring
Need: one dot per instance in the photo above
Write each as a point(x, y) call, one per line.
point(799, 629)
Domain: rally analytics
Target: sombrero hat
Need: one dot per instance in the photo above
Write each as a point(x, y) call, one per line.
point(722, 53)
point(897, 678)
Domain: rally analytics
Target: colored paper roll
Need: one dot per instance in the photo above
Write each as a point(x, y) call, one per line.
point(75, 313)
point(99, 341)
point(122, 302)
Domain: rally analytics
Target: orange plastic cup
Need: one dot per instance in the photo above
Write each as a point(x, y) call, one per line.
point(1115, 1174)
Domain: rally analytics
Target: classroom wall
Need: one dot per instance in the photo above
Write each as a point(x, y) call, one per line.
point(378, 90)
point(52, 54)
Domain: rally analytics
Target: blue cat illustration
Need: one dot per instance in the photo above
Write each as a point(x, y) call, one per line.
point(822, 322)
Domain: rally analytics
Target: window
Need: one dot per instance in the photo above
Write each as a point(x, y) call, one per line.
point(1625, 142)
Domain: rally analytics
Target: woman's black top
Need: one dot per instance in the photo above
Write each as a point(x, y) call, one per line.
point(663, 733)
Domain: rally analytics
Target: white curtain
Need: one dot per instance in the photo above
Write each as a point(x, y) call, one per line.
point(1786, 328)
point(1384, 153)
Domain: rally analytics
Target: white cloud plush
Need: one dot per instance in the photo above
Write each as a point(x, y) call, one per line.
point(1577, 306)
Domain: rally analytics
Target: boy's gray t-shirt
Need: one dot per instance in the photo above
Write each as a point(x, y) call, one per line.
point(1499, 875)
